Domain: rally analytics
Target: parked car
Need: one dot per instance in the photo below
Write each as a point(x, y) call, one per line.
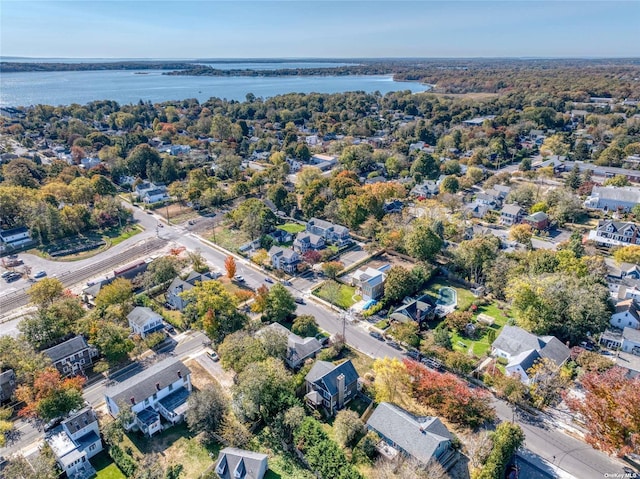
point(286, 283)
point(299, 300)
point(213, 355)
point(377, 335)
point(40, 274)
point(13, 277)
point(413, 355)
point(6, 274)
point(268, 280)
point(169, 328)
point(53, 423)
point(238, 278)
point(324, 340)
point(394, 345)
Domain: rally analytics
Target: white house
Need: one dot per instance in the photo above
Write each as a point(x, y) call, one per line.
point(306, 241)
point(510, 215)
point(626, 315)
point(615, 233)
point(284, 258)
point(161, 389)
point(631, 341)
point(76, 441)
point(370, 281)
point(522, 349)
point(144, 321)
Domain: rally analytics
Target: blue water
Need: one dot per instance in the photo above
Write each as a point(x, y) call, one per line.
point(65, 88)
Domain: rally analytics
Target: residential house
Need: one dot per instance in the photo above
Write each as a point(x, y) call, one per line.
point(160, 390)
point(629, 355)
point(88, 163)
point(614, 199)
point(332, 233)
point(503, 190)
point(280, 236)
point(331, 386)
point(538, 220)
point(144, 321)
point(606, 171)
point(477, 209)
point(323, 162)
point(7, 385)
point(422, 438)
point(370, 281)
point(478, 121)
point(76, 441)
point(284, 259)
point(627, 314)
point(179, 286)
point(427, 189)
point(72, 356)
point(393, 206)
point(236, 463)
point(14, 238)
point(522, 349)
point(491, 198)
point(510, 215)
point(306, 241)
point(151, 193)
point(298, 349)
point(417, 310)
point(631, 341)
point(615, 233)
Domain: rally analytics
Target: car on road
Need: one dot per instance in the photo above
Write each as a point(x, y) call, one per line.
point(377, 335)
point(413, 355)
point(213, 355)
point(13, 277)
point(285, 282)
point(299, 300)
point(268, 280)
point(149, 212)
point(53, 423)
point(238, 278)
point(6, 274)
point(40, 274)
point(394, 345)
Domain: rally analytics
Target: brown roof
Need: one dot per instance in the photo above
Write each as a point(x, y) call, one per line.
point(628, 305)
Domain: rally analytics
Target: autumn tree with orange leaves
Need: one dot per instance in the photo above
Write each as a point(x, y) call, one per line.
point(449, 396)
point(50, 396)
point(610, 410)
point(230, 266)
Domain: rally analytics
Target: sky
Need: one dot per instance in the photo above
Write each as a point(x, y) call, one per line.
point(321, 29)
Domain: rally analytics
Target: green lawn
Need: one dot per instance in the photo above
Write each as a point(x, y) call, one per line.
point(120, 236)
point(481, 346)
point(465, 297)
point(229, 238)
point(382, 324)
point(292, 228)
point(105, 467)
point(346, 295)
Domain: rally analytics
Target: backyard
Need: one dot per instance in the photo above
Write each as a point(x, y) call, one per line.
point(342, 295)
point(292, 228)
point(481, 345)
point(465, 297)
point(105, 467)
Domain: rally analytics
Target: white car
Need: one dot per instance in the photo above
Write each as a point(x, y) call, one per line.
point(238, 278)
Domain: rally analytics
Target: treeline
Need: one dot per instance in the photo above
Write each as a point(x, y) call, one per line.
point(374, 69)
point(12, 67)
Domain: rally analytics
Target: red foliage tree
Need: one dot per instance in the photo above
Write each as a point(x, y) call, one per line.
point(611, 410)
point(451, 397)
point(50, 395)
point(312, 257)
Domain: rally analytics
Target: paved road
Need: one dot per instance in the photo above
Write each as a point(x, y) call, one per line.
point(182, 346)
point(545, 441)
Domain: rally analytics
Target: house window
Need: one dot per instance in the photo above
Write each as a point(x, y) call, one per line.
point(170, 387)
point(92, 447)
point(146, 402)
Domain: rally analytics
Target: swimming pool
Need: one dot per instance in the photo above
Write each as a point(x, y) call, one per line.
point(447, 296)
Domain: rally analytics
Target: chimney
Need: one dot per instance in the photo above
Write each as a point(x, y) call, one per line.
point(340, 385)
point(158, 386)
point(179, 374)
point(133, 400)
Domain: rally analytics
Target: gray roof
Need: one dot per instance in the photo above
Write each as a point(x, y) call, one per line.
point(306, 237)
point(286, 253)
point(417, 436)
point(325, 374)
point(515, 341)
point(81, 420)
point(141, 314)
point(298, 348)
point(525, 359)
point(627, 194)
point(66, 349)
point(143, 384)
point(248, 463)
point(511, 209)
point(631, 334)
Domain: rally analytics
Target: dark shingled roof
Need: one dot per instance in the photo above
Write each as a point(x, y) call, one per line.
point(247, 463)
point(81, 420)
point(66, 349)
point(325, 374)
point(143, 385)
